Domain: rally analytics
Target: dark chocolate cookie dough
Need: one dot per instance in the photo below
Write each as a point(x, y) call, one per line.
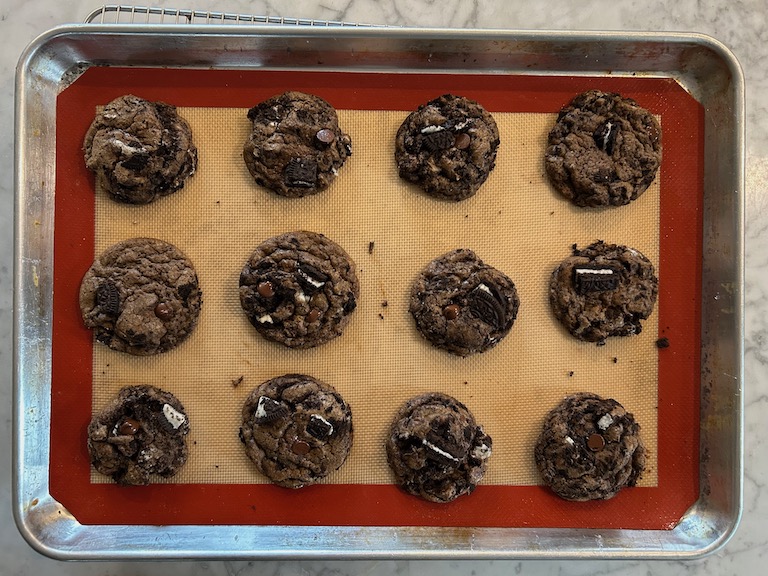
point(139, 150)
point(589, 448)
point(448, 147)
point(141, 296)
point(299, 289)
point(604, 150)
point(296, 430)
point(463, 305)
point(603, 290)
point(435, 448)
point(141, 432)
point(296, 146)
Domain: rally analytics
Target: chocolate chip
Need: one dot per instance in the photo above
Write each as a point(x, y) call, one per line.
point(595, 442)
point(164, 311)
point(108, 298)
point(594, 278)
point(325, 136)
point(129, 427)
point(301, 173)
point(313, 315)
point(439, 140)
point(451, 312)
point(265, 289)
point(300, 447)
point(462, 141)
point(319, 427)
point(485, 305)
point(605, 136)
point(269, 410)
point(310, 278)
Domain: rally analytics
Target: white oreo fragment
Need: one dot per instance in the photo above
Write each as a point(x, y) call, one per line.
point(174, 417)
point(605, 421)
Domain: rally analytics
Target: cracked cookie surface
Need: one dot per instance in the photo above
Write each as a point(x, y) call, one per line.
point(296, 429)
point(463, 305)
point(447, 147)
point(603, 290)
point(296, 146)
point(604, 150)
point(141, 296)
point(139, 150)
point(300, 289)
point(589, 448)
point(142, 432)
point(435, 448)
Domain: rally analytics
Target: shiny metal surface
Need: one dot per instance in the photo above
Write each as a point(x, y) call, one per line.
point(700, 64)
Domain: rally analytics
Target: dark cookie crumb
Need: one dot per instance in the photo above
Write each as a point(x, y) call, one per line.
point(662, 342)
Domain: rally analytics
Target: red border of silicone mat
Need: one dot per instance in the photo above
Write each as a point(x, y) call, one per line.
point(679, 308)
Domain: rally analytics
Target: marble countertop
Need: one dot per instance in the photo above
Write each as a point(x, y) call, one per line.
point(740, 25)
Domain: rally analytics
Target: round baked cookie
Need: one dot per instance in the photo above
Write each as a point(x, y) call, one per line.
point(447, 146)
point(299, 289)
point(463, 305)
point(141, 296)
point(603, 290)
point(139, 150)
point(604, 150)
point(141, 432)
point(296, 430)
point(436, 449)
point(589, 448)
point(296, 146)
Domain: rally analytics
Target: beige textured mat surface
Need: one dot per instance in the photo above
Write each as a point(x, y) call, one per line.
point(516, 223)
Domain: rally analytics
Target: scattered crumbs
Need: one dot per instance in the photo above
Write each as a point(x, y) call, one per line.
point(384, 304)
point(552, 213)
point(466, 215)
point(499, 211)
point(662, 342)
point(194, 442)
point(465, 382)
point(600, 343)
point(253, 507)
point(381, 315)
point(216, 466)
point(570, 374)
point(574, 248)
point(371, 244)
point(615, 360)
point(218, 201)
point(237, 381)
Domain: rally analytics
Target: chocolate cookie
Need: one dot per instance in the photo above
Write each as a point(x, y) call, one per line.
point(448, 147)
point(141, 296)
point(141, 432)
point(436, 449)
point(296, 146)
point(603, 290)
point(299, 289)
point(463, 305)
point(589, 448)
point(604, 150)
point(139, 150)
point(296, 429)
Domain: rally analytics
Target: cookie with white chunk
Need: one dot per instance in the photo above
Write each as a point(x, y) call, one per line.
point(603, 290)
point(141, 433)
point(296, 430)
point(463, 305)
point(139, 150)
point(435, 448)
point(299, 289)
point(604, 150)
point(447, 147)
point(589, 448)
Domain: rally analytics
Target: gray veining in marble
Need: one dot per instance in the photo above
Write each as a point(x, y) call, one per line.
point(741, 25)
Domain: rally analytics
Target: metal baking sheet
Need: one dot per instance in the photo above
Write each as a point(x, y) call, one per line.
point(701, 65)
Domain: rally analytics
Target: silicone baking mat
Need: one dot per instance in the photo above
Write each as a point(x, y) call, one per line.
point(516, 223)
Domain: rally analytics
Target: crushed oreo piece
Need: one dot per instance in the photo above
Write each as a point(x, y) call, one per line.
point(605, 136)
point(485, 305)
point(108, 298)
point(437, 141)
point(319, 427)
point(310, 278)
point(301, 173)
point(269, 410)
point(594, 278)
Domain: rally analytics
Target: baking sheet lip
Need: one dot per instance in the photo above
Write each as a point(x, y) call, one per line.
point(44, 542)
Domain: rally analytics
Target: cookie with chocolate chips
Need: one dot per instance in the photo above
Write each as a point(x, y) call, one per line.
point(139, 150)
point(141, 296)
point(589, 448)
point(141, 433)
point(447, 147)
point(463, 305)
point(299, 289)
point(296, 430)
point(604, 150)
point(296, 146)
point(603, 290)
point(435, 448)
